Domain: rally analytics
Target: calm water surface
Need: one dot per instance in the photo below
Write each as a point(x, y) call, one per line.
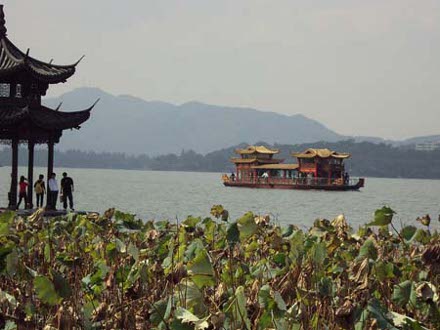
point(171, 195)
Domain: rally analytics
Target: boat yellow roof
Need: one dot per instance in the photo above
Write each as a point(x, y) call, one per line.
point(253, 160)
point(256, 149)
point(322, 153)
point(277, 167)
point(243, 160)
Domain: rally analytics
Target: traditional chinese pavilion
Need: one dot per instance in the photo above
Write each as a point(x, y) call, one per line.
point(321, 163)
point(23, 119)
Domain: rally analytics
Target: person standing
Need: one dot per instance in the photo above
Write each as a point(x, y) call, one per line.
point(40, 190)
point(22, 191)
point(53, 192)
point(67, 189)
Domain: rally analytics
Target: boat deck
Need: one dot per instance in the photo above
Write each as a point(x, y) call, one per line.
point(300, 184)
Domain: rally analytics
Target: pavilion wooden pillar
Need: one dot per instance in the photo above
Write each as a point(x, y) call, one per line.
point(14, 175)
point(30, 177)
point(50, 145)
point(50, 159)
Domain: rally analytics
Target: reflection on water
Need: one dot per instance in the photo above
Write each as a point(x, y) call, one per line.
point(174, 195)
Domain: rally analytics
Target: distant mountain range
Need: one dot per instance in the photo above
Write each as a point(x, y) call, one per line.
point(135, 126)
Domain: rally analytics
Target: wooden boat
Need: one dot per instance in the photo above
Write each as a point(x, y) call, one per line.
point(320, 169)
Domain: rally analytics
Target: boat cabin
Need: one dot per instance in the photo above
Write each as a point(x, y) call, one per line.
point(258, 162)
point(322, 164)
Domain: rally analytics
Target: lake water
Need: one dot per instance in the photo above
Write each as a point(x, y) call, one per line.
point(171, 195)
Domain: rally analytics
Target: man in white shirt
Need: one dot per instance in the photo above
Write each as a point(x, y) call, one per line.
point(52, 196)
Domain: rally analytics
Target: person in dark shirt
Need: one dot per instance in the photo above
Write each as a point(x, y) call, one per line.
point(67, 190)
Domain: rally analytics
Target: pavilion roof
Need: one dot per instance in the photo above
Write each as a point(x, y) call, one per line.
point(13, 60)
point(256, 149)
point(43, 117)
point(321, 153)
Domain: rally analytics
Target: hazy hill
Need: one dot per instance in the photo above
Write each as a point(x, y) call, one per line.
point(132, 125)
point(406, 142)
point(421, 139)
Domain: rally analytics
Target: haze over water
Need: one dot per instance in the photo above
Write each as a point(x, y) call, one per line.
point(175, 195)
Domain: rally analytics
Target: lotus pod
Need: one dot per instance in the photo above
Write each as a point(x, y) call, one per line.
point(425, 220)
point(262, 220)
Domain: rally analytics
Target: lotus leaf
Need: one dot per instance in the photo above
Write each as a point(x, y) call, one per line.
point(408, 232)
point(233, 234)
point(247, 226)
point(368, 250)
point(382, 217)
point(237, 307)
point(200, 269)
point(404, 293)
point(116, 272)
point(45, 290)
point(383, 270)
point(187, 317)
point(191, 222)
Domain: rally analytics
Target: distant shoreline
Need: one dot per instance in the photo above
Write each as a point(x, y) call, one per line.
point(201, 171)
point(368, 160)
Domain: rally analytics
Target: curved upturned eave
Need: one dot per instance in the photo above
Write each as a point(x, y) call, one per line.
point(12, 60)
point(320, 153)
point(58, 120)
point(43, 117)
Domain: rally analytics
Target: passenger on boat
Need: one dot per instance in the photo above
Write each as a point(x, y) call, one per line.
point(232, 176)
point(265, 175)
point(346, 178)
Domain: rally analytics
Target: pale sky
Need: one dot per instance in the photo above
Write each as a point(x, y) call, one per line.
point(361, 67)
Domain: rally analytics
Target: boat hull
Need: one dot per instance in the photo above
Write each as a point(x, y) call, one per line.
point(297, 186)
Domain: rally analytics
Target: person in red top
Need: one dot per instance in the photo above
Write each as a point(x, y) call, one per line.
point(22, 191)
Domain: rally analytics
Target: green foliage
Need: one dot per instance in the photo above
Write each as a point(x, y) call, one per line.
point(382, 217)
point(118, 272)
point(200, 269)
point(408, 232)
point(368, 250)
point(404, 293)
point(46, 291)
point(247, 226)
